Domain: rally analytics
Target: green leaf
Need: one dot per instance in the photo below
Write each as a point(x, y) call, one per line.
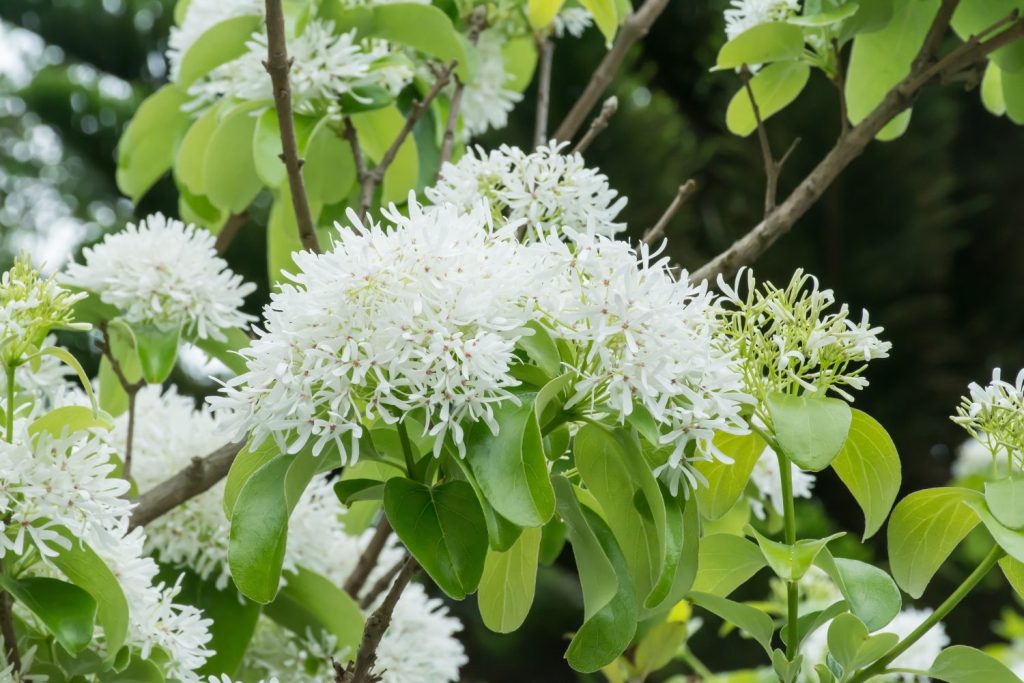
point(756, 623)
point(1005, 499)
point(615, 472)
point(810, 430)
point(158, 351)
point(541, 349)
point(84, 568)
point(510, 466)
point(725, 563)
point(827, 18)
point(444, 529)
point(328, 167)
point(871, 16)
point(229, 169)
point(1013, 95)
point(218, 45)
point(659, 646)
point(244, 465)
point(791, 562)
point(762, 44)
point(66, 610)
point(1009, 540)
point(812, 621)
point(64, 356)
point(609, 604)
point(775, 87)
point(147, 146)
point(190, 162)
point(136, 671)
point(871, 594)
point(227, 351)
point(377, 130)
point(309, 603)
point(679, 566)
point(962, 664)
point(259, 523)
point(726, 481)
point(992, 90)
point(508, 582)
point(520, 55)
point(605, 15)
point(923, 530)
point(552, 542)
point(881, 59)
point(542, 12)
point(852, 647)
point(1014, 572)
point(972, 18)
point(349, 491)
point(869, 466)
point(786, 670)
point(71, 418)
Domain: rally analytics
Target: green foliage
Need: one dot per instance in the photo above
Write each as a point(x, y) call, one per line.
point(870, 593)
point(810, 430)
point(70, 418)
point(147, 147)
point(869, 466)
point(158, 351)
point(762, 44)
point(774, 88)
point(791, 562)
point(222, 43)
point(508, 583)
point(726, 481)
point(1005, 499)
point(852, 647)
point(66, 610)
point(309, 603)
point(753, 621)
point(726, 562)
point(962, 664)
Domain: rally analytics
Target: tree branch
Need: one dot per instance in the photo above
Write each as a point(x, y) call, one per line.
point(199, 476)
point(546, 50)
point(381, 585)
point(278, 65)
point(600, 122)
point(368, 560)
point(656, 232)
point(361, 670)
point(771, 168)
point(635, 27)
point(746, 249)
point(227, 233)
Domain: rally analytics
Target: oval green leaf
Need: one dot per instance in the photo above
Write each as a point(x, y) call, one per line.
point(762, 44)
point(810, 430)
point(775, 87)
point(869, 466)
point(508, 583)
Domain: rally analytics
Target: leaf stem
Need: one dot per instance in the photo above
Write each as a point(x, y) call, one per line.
point(410, 461)
point(979, 573)
point(694, 663)
point(792, 589)
point(10, 404)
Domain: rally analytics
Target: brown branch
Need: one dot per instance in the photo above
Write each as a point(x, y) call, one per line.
point(368, 560)
point(7, 630)
point(370, 179)
point(200, 475)
point(361, 669)
point(131, 389)
point(771, 167)
point(656, 232)
point(600, 122)
point(546, 50)
point(380, 585)
point(278, 65)
point(230, 230)
point(634, 27)
point(840, 82)
point(849, 146)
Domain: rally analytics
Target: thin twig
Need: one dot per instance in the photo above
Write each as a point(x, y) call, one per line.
point(634, 27)
point(230, 230)
point(656, 232)
point(600, 122)
point(546, 50)
point(901, 96)
point(352, 136)
point(7, 630)
point(361, 669)
point(197, 477)
point(380, 585)
point(368, 560)
point(131, 389)
point(771, 168)
point(278, 65)
point(126, 469)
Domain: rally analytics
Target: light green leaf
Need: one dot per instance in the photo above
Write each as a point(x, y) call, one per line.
point(869, 466)
point(508, 583)
point(726, 481)
point(227, 351)
point(870, 593)
point(158, 351)
point(756, 623)
point(377, 131)
point(852, 647)
point(923, 530)
point(827, 18)
point(606, 16)
point(542, 12)
point(190, 162)
point(520, 55)
point(974, 17)
point(309, 603)
point(244, 465)
point(1013, 95)
point(1014, 572)
point(659, 646)
point(597, 575)
point(146, 149)
point(810, 430)
point(541, 349)
point(872, 16)
point(136, 671)
point(791, 562)
point(774, 87)
point(218, 45)
point(63, 355)
point(328, 169)
point(66, 610)
point(725, 563)
point(962, 664)
point(762, 44)
point(1005, 499)
point(444, 529)
point(71, 418)
point(229, 170)
point(1009, 540)
point(992, 90)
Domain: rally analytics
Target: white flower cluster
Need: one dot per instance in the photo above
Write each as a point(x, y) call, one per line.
point(745, 14)
point(994, 415)
point(30, 306)
point(573, 20)
point(423, 317)
point(546, 190)
point(766, 478)
point(162, 272)
point(486, 102)
point(789, 339)
point(920, 656)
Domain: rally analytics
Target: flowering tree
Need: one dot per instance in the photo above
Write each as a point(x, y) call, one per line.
point(462, 369)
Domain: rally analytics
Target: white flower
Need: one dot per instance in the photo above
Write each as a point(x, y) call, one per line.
point(30, 306)
point(423, 316)
point(765, 477)
point(546, 190)
point(994, 415)
point(920, 656)
point(745, 14)
point(164, 273)
point(572, 20)
point(486, 102)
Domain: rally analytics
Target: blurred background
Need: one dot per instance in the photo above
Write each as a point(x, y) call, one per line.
point(926, 232)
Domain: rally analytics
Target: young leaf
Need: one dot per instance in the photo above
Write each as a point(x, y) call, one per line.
point(1005, 499)
point(328, 167)
point(605, 15)
point(852, 647)
point(190, 160)
point(992, 90)
point(726, 482)
point(229, 171)
point(870, 593)
point(761, 44)
point(923, 530)
point(508, 582)
point(146, 148)
point(542, 12)
point(756, 623)
point(725, 563)
point(971, 18)
point(444, 529)
point(309, 603)
point(962, 664)
point(425, 28)
point(1009, 540)
point(1013, 570)
point(158, 351)
point(810, 430)
point(66, 610)
point(869, 466)
point(220, 44)
point(791, 562)
point(775, 87)
point(244, 466)
point(659, 646)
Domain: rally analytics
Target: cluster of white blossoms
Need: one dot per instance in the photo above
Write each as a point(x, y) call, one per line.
point(919, 657)
point(994, 416)
point(546, 190)
point(486, 101)
point(767, 480)
point(789, 339)
point(164, 273)
point(746, 14)
point(31, 306)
